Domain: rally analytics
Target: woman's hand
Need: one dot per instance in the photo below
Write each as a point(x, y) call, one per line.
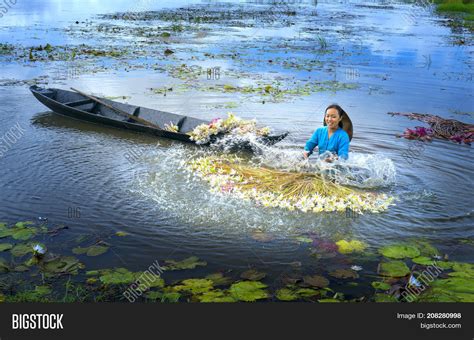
point(305, 154)
point(331, 158)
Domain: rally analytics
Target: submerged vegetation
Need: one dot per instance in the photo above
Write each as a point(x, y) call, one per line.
point(406, 272)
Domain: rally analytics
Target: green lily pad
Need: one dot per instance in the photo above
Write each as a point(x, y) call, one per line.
point(444, 264)
point(23, 233)
point(117, 276)
point(21, 250)
point(307, 292)
point(425, 248)
point(423, 260)
point(5, 246)
point(3, 224)
point(43, 290)
point(381, 285)
point(436, 294)
point(344, 274)
point(195, 286)
point(329, 300)
point(393, 269)
point(286, 294)
point(5, 232)
point(188, 263)
point(400, 251)
point(97, 250)
point(467, 269)
point(21, 268)
point(248, 291)
point(150, 280)
point(93, 250)
point(4, 267)
point(219, 279)
point(455, 285)
point(121, 233)
point(24, 224)
point(384, 298)
point(316, 281)
point(216, 296)
point(154, 295)
point(170, 297)
point(61, 265)
point(92, 273)
point(352, 246)
point(252, 275)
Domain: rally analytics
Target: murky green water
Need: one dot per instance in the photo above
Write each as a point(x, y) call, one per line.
point(369, 60)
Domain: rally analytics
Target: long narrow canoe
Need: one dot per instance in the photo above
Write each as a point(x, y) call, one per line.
point(75, 105)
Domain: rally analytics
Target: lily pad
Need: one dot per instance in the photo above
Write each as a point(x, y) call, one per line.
point(216, 296)
point(150, 280)
point(97, 250)
point(344, 274)
point(21, 250)
point(219, 279)
point(121, 233)
point(400, 251)
point(248, 291)
point(252, 275)
point(329, 300)
point(43, 290)
point(466, 268)
point(307, 292)
point(23, 233)
point(4, 267)
point(117, 276)
point(195, 286)
point(384, 298)
point(170, 297)
point(455, 285)
point(188, 263)
point(423, 260)
point(61, 265)
point(425, 248)
point(353, 246)
point(393, 269)
point(381, 285)
point(316, 281)
point(5, 246)
point(93, 250)
point(286, 294)
point(24, 224)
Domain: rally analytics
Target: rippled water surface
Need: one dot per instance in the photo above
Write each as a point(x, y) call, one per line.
point(60, 164)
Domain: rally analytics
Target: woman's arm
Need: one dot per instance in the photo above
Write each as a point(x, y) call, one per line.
point(343, 147)
point(311, 143)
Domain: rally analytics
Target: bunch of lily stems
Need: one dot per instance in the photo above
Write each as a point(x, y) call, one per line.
point(308, 192)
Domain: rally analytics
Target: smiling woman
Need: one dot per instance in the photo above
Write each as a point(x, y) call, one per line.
point(334, 137)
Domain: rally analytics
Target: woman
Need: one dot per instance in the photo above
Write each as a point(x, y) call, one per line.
point(334, 136)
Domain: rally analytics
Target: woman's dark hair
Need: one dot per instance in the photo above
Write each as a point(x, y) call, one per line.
point(340, 111)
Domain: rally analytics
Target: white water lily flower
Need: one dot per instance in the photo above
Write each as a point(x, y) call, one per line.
point(39, 249)
point(356, 268)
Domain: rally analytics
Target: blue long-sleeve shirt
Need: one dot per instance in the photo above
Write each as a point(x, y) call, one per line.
point(338, 143)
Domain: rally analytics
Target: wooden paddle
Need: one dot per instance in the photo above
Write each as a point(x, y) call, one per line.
point(123, 113)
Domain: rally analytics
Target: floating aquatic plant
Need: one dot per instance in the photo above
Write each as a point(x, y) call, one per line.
point(393, 269)
point(400, 251)
point(231, 125)
point(289, 190)
point(248, 291)
point(352, 246)
point(188, 263)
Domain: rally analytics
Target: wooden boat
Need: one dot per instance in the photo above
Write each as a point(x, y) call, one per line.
point(136, 118)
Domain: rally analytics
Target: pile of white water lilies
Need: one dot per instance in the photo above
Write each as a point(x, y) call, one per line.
point(231, 125)
point(308, 192)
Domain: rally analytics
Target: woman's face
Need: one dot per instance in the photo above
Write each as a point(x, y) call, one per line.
point(332, 118)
